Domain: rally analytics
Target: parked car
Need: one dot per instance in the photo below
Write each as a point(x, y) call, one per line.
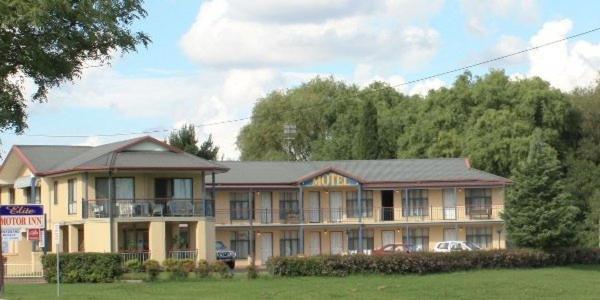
point(451, 246)
point(390, 249)
point(225, 255)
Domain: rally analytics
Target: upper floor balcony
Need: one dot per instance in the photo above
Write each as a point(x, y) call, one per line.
point(381, 215)
point(144, 208)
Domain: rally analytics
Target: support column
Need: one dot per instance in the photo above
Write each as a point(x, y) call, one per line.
point(73, 233)
point(301, 231)
point(407, 213)
point(205, 240)
point(360, 227)
point(157, 235)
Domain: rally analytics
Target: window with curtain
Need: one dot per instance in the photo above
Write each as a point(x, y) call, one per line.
point(240, 243)
point(417, 203)
point(418, 239)
point(480, 236)
point(352, 210)
point(289, 243)
point(55, 192)
point(71, 200)
point(288, 205)
point(173, 188)
point(367, 240)
point(239, 205)
point(182, 188)
point(123, 188)
point(478, 199)
point(38, 192)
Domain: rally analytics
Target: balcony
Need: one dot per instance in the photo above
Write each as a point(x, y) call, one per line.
point(381, 215)
point(157, 207)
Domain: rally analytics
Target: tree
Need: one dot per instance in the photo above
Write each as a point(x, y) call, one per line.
point(185, 139)
point(208, 150)
point(537, 210)
point(367, 141)
point(52, 41)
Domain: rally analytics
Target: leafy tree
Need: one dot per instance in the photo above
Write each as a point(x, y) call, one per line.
point(185, 139)
point(538, 213)
point(208, 150)
point(367, 141)
point(51, 41)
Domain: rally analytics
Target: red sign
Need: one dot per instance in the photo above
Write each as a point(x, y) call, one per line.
point(33, 234)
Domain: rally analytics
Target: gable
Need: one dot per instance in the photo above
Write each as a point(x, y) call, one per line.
point(147, 146)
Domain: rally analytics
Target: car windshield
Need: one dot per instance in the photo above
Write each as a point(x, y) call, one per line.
point(473, 246)
point(220, 245)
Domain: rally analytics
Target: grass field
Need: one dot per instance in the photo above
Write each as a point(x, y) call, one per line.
point(576, 282)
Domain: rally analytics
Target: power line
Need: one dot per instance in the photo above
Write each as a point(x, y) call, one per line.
point(377, 89)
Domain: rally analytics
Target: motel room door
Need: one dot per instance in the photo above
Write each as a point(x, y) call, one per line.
point(266, 212)
point(314, 206)
point(387, 237)
point(337, 242)
point(315, 243)
point(449, 204)
point(335, 204)
point(266, 246)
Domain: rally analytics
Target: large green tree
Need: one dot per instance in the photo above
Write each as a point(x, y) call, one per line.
point(367, 139)
point(538, 213)
point(51, 41)
point(185, 139)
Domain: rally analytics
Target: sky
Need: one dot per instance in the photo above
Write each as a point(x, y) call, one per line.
point(210, 61)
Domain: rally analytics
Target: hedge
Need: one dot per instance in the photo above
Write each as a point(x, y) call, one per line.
point(83, 267)
point(426, 262)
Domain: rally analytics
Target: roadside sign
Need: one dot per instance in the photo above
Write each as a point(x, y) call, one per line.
point(22, 216)
point(57, 234)
point(11, 234)
point(33, 234)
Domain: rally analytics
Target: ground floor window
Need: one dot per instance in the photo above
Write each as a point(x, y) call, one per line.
point(367, 240)
point(240, 243)
point(289, 243)
point(135, 240)
point(417, 239)
point(480, 236)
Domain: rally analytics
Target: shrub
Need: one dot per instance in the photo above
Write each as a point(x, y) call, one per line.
point(251, 271)
point(203, 269)
point(133, 265)
point(187, 264)
point(152, 268)
point(170, 264)
point(222, 269)
point(83, 267)
point(422, 263)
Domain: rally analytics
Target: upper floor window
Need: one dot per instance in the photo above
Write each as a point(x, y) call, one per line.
point(38, 192)
point(416, 204)
point(173, 188)
point(55, 192)
point(123, 188)
point(11, 196)
point(478, 198)
point(289, 206)
point(352, 204)
point(71, 200)
point(239, 205)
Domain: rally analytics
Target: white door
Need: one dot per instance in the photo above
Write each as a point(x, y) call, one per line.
point(449, 204)
point(266, 211)
point(335, 204)
point(315, 243)
point(314, 206)
point(450, 234)
point(266, 246)
point(337, 243)
point(387, 237)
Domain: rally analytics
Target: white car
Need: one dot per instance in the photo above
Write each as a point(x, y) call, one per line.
point(451, 246)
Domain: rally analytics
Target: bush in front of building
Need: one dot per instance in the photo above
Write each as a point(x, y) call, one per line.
point(222, 269)
point(83, 267)
point(170, 264)
point(251, 271)
point(133, 265)
point(203, 269)
point(424, 262)
point(152, 268)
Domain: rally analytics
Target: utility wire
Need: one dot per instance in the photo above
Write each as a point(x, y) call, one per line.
point(377, 89)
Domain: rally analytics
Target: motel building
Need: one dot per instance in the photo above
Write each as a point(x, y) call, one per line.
point(147, 200)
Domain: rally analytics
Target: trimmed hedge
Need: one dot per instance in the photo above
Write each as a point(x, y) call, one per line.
point(426, 262)
point(83, 267)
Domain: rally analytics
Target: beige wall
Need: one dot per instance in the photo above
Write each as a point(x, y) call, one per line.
point(96, 236)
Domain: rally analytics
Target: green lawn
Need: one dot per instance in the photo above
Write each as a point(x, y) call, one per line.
point(577, 282)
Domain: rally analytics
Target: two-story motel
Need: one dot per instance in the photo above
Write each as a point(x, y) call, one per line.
point(146, 199)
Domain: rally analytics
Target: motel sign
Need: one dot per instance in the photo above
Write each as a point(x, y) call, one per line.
point(330, 180)
point(22, 216)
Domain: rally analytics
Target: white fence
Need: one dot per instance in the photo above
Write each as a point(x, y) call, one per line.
point(23, 270)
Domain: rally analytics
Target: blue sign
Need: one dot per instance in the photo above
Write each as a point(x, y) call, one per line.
point(22, 210)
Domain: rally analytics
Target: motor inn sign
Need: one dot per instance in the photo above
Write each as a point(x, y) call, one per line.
point(22, 216)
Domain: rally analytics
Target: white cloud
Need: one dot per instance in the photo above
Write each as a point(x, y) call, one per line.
point(508, 44)
point(479, 13)
point(565, 65)
point(242, 34)
point(422, 88)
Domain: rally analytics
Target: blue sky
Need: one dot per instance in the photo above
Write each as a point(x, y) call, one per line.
point(210, 61)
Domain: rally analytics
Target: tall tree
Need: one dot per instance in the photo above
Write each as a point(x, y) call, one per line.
point(538, 213)
point(208, 150)
point(367, 140)
point(185, 139)
point(52, 41)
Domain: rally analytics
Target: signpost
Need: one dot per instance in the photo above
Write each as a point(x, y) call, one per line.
point(57, 238)
point(14, 219)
